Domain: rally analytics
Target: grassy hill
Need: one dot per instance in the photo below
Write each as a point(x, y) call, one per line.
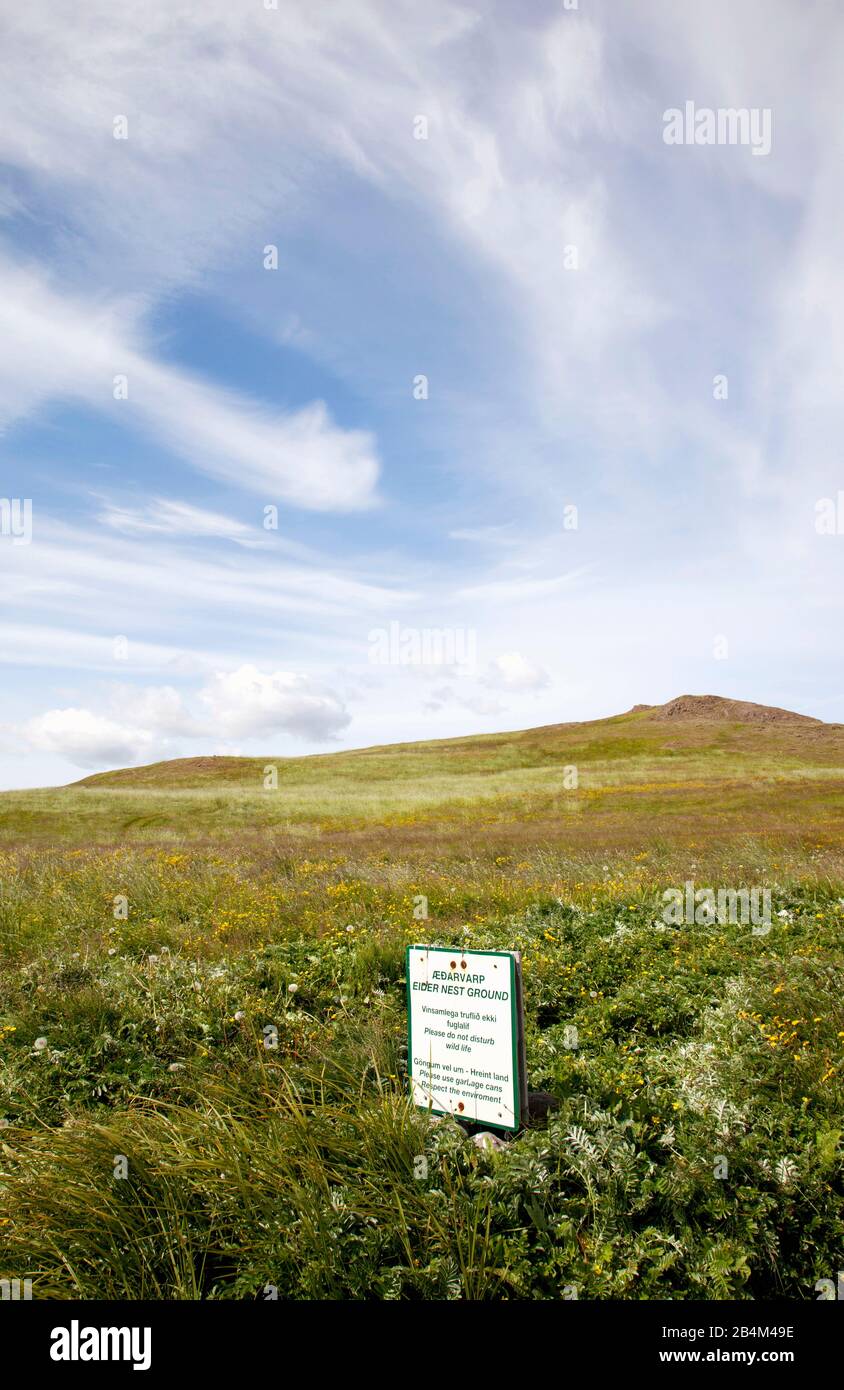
point(696, 764)
point(690, 727)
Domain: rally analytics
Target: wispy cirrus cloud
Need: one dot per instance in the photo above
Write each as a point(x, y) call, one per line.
point(516, 589)
point(57, 347)
point(83, 570)
point(163, 517)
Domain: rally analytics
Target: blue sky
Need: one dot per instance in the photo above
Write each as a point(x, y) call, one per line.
point(478, 195)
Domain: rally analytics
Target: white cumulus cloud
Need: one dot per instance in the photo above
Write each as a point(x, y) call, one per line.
point(247, 702)
point(89, 740)
point(148, 723)
point(512, 671)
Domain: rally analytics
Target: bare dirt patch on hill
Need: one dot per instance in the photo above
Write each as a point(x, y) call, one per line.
point(713, 708)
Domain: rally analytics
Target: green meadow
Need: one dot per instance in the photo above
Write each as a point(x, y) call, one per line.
point(203, 1087)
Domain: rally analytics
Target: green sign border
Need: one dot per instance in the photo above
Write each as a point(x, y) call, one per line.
point(514, 1022)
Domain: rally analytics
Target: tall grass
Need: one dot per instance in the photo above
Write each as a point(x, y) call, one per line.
point(300, 1168)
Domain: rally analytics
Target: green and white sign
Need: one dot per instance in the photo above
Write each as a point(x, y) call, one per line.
point(465, 1034)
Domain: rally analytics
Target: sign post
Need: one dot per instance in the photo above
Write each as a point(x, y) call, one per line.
point(465, 1034)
